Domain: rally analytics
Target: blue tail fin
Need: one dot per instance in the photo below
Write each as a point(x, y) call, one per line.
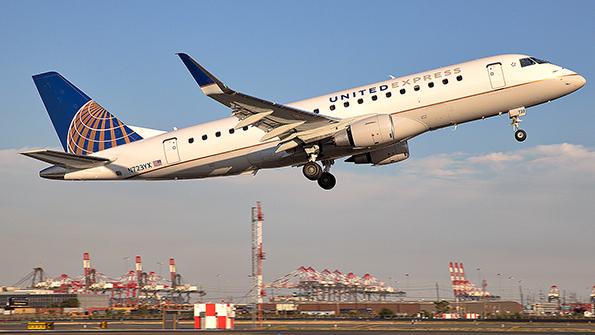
point(83, 126)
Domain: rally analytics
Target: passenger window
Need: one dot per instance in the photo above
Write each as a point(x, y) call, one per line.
point(332, 107)
point(389, 94)
point(204, 137)
point(218, 134)
point(459, 77)
point(231, 130)
point(191, 140)
point(431, 84)
point(374, 98)
point(360, 101)
point(416, 88)
point(346, 104)
point(245, 128)
point(316, 111)
point(402, 91)
point(445, 81)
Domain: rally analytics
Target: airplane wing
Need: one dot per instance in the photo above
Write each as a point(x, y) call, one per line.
point(292, 125)
point(66, 160)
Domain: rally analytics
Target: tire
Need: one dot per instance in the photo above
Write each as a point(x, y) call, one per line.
point(312, 170)
point(327, 181)
point(520, 135)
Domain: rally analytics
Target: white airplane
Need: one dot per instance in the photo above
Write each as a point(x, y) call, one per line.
point(370, 124)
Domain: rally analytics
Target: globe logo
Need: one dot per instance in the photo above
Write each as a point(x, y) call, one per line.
point(93, 129)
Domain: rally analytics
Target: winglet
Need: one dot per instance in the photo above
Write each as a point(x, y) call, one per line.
point(208, 83)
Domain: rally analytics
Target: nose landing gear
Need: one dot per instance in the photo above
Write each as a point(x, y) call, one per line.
point(514, 115)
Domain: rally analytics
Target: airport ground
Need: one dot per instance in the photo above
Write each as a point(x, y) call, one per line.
point(306, 327)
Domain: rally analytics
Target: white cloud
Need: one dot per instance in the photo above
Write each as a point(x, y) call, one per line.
point(496, 157)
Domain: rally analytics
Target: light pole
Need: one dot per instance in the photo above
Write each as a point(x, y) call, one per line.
point(407, 283)
point(499, 284)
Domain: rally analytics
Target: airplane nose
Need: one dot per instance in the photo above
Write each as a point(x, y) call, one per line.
point(580, 81)
point(574, 81)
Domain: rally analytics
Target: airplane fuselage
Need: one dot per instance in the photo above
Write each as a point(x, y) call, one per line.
point(436, 98)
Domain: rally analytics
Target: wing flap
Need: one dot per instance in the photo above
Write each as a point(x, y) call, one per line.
point(66, 160)
point(281, 130)
point(252, 119)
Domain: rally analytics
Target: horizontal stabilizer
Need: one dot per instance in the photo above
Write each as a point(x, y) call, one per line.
point(66, 160)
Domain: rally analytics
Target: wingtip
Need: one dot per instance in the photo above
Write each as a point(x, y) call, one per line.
point(182, 55)
point(45, 74)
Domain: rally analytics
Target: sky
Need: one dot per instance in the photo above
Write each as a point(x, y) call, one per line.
point(472, 194)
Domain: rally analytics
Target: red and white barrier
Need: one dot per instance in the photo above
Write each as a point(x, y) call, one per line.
point(471, 316)
point(449, 316)
point(214, 316)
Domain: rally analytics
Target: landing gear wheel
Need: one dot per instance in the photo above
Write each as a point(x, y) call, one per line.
point(327, 181)
point(520, 135)
point(312, 170)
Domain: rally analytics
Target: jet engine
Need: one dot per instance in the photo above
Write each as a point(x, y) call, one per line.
point(378, 130)
point(391, 154)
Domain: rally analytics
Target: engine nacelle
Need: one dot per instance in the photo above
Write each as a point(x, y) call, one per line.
point(378, 130)
point(372, 131)
point(391, 154)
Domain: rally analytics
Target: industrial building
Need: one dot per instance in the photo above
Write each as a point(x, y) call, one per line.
point(94, 290)
point(404, 309)
point(49, 299)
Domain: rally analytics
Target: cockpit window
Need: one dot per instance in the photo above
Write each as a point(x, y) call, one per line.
point(539, 61)
point(531, 60)
point(526, 62)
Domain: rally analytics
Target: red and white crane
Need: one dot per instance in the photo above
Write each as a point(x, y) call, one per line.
point(462, 288)
point(257, 258)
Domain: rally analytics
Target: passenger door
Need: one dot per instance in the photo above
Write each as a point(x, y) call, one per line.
point(170, 147)
point(496, 75)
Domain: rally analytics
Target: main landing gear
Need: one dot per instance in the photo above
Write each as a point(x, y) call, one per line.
point(325, 179)
point(520, 135)
point(514, 115)
point(313, 171)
